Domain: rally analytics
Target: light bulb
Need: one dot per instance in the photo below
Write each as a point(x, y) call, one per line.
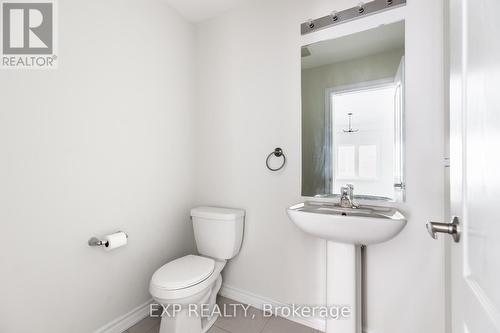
point(334, 15)
point(361, 7)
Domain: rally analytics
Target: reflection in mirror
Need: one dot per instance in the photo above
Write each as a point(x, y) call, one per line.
point(353, 114)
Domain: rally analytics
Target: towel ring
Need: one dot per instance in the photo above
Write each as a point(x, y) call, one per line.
point(278, 152)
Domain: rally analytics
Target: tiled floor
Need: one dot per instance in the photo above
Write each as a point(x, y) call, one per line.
point(254, 322)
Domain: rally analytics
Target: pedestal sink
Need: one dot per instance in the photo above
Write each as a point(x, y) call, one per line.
point(346, 230)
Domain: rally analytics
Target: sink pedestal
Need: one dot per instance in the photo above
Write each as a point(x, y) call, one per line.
point(343, 285)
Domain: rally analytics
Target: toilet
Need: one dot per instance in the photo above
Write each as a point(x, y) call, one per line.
point(187, 287)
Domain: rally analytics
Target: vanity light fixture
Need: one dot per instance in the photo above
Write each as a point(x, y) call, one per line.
point(339, 17)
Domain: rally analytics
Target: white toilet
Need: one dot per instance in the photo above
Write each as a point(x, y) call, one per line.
point(196, 279)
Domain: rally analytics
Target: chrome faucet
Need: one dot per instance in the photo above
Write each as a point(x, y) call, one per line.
point(347, 196)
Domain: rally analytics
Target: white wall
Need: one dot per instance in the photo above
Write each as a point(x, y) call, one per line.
point(103, 143)
point(249, 102)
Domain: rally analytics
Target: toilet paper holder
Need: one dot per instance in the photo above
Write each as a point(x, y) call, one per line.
point(94, 241)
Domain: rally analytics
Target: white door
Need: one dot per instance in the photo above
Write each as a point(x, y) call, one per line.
point(475, 164)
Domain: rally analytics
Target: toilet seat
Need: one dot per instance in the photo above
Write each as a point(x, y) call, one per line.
point(183, 272)
point(160, 294)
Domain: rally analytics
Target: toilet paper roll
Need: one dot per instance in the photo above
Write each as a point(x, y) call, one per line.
point(116, 240)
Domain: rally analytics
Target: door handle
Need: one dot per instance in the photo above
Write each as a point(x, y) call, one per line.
point(452, 229)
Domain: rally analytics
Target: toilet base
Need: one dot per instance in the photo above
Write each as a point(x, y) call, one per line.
point(183, 322)
point(209, 324)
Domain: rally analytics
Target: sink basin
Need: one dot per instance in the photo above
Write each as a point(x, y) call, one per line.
point(362, 226)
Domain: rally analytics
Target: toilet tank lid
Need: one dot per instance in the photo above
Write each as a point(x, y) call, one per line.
point(217, 213)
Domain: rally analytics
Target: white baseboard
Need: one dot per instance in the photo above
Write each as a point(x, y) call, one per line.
point(258, 302)
point(126, 321)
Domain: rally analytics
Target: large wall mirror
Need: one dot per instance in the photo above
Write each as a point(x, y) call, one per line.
point(353, 114)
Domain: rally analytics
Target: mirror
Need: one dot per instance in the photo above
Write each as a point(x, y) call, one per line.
point(353, 115)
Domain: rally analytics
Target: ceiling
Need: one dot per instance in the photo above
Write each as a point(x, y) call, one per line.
point(362, 44)
point(200, 10)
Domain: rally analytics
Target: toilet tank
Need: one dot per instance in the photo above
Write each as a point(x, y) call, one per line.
point(218, 231)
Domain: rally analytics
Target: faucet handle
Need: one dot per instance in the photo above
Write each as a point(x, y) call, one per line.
point(351, 191)
point(347, 196)
point(345, 190)
point(349, 188)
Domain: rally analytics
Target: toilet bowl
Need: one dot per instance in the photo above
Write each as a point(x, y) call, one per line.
point(187, 287)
